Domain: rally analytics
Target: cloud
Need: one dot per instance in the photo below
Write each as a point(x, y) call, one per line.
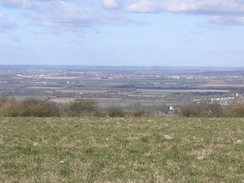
point(111, 4)
point(197, 6)
point(25, 4)
point(227, 12)
point(145, 7)
point(67, 14)
point(5, 23)
point(227, 20)
point(76, 14)
point(61, 13)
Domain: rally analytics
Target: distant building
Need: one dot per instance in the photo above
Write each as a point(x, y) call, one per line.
point(171, 109)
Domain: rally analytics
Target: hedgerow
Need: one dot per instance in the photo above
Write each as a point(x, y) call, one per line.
point(34, 107)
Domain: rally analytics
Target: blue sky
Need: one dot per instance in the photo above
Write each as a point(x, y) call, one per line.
point(122, 32)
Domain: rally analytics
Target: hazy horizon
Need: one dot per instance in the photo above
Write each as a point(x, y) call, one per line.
point(125, 66)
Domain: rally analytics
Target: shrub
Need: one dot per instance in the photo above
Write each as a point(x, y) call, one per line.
point(188, 110)
point(31, 107)
point(3, 99)
point(80, 108)
point(34, 107)
point(207, 109)
point(202, 109)
point(11, 108)
point(140, 112)
point(235, 109)
point(115, 112)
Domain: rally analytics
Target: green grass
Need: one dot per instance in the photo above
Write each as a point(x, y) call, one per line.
point(121, 150)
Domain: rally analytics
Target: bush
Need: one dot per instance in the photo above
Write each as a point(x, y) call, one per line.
point(30, 107)
point(80, 108)
point(202, 109)
point(39, 108)
point(115, 112)
point(235, 109)
point(3, 100)
point(141, 112)
point(188, 110)
point(11, 108)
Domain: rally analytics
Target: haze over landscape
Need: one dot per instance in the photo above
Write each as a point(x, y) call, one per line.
point(122, 32)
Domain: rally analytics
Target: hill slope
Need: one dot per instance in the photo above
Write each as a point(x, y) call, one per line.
point(121, 149)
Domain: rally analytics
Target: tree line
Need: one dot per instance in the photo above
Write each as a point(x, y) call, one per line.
point(35, 107)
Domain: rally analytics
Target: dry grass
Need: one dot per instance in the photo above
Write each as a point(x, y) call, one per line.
point(122, 150)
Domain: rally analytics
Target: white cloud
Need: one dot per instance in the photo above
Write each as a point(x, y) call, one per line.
point(61, 13)
point(144, 7)
point(198, 6)
point(227, 20)
point(17, 3)
point(68, 14)
point(4, 22)
point(219, 8)
point(111, 4)
point(86, 13)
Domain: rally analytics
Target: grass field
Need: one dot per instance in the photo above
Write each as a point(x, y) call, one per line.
point(135, 150)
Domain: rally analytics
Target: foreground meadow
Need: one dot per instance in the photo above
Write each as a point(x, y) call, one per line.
point(121, 150)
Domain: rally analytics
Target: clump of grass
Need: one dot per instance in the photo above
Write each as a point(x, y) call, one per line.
point(121, 150)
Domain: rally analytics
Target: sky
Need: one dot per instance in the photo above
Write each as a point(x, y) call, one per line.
point(122, 32)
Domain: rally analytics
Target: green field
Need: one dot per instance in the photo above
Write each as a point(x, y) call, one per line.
point(135, 150)
point(157, 92)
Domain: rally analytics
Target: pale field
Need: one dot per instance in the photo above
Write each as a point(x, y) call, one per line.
point(222, 85)
point(45, 87)
point(82, 91)
point(177, 91)
point(62, 100)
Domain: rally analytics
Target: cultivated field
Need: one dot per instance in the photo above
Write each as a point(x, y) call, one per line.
point(119, 150)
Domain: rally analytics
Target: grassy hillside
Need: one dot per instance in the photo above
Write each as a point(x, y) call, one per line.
point(121, 150)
